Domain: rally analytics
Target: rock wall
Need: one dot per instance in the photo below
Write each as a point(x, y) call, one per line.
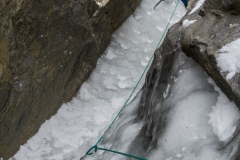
point(214, 28)
point(48, 48)
point(230, 6)
point(218, 24)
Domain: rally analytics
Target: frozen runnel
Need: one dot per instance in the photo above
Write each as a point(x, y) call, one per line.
point(79, 124)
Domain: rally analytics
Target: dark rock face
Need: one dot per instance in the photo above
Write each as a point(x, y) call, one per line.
point(218, 23)
point(47, 50)
point(203, 39)
point(231, 6)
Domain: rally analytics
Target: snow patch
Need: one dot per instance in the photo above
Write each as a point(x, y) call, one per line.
point(101, 3)
point(229, 59)
point(187, 23)
point(224, 116)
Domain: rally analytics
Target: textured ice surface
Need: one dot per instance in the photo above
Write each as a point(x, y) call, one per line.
point(201, 117)
point(80, 123)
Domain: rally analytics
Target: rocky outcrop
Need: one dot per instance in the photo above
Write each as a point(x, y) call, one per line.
point(229, 6)
point(217, 24)
point(47, 50)
point(202, 40)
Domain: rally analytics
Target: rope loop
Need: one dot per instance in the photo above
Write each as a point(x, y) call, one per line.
point(90, 152)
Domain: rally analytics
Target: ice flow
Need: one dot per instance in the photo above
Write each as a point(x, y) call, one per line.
point(79, 123)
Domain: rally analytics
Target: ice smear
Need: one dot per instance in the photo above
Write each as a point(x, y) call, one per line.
point(123, 132)
point(189, 136)
point(198, 5)
point(229, 59)
point(79, 124)
point(224, 116)
point(187, 23)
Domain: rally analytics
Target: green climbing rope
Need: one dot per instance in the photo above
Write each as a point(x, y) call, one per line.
point(100, 139)
point(125, 154)
point(95, 148)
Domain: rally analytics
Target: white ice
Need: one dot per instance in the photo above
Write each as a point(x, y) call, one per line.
point(187, 23)
point(201, 117)
point(197, 6)
point(229, 59)
point(79, 124)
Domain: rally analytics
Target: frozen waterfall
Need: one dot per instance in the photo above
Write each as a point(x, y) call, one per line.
point(193, 127)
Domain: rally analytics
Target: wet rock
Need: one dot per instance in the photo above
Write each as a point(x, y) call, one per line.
point(230, 6)
point(47, 50)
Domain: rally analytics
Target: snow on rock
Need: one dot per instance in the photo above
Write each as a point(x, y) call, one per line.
point(224, 116)
point(187, 23)
point(229, 58)
point(198, 5)
point(101, 3)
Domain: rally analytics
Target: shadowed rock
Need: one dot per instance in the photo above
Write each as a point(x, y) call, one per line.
point(231, 6)
point(48, 48)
